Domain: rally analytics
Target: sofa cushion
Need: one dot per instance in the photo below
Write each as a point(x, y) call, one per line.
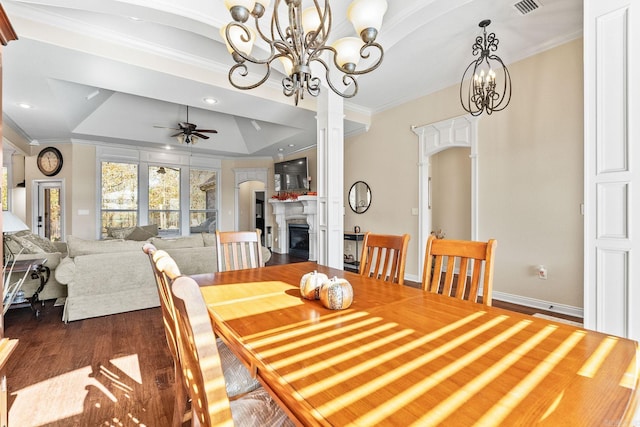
point(195, 260)
point(79, 246)
point(209, 239)
point(194, 241)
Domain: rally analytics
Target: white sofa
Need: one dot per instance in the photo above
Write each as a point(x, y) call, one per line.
point(114, 276)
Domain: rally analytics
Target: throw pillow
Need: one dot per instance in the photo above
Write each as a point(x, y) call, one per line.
point(27, 246)
point(14, 245)
point(151, 228)
point(45, 244)
point(139, 234)
point(119, 232)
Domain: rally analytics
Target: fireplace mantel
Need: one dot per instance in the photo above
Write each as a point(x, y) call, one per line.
point(304, 208)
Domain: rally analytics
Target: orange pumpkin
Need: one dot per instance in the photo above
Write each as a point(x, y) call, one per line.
point(310, 284)
point(336, 294)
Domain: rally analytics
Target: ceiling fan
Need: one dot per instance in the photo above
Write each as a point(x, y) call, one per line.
point(189, 132)
point(163, 169)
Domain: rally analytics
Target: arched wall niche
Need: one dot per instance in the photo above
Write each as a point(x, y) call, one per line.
point(461, 131)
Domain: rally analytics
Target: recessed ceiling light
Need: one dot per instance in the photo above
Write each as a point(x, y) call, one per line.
point(25, 105)
point(135, 18)
point(210, 100)
point(292, 145)
point(281, 149)
point(168, 147)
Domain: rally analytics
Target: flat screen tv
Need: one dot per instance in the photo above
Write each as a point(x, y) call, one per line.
point(292, 175)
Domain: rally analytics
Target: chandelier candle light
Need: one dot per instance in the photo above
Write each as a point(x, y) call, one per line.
point(479, 93)
point(302, 41)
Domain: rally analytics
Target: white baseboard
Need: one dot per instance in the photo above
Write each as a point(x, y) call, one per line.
point(525, 301)
point(539, 304)
point(413, 278)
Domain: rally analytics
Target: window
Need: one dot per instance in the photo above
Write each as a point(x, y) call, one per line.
point(179, 193)
point(119, 205)
point(203, 201)
point(164, 199)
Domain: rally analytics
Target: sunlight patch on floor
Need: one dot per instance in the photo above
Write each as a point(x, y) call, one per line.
point(130, 365)
point(56, 406)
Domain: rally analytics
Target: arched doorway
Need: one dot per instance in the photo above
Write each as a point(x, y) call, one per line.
point(461, 131)
point(245, 196)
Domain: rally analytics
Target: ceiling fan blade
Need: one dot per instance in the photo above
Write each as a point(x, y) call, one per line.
point(164, 127)
point(199, 135)
point(176, 134)
point(207, 130)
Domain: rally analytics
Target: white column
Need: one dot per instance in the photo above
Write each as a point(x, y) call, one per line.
point(310, 210)
point(280, 245)
point(330, 179)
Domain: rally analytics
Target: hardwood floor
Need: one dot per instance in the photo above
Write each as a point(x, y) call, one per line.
point(109, 371)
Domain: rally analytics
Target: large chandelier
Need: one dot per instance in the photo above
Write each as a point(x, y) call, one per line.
point(300, 41)
point(484, 90)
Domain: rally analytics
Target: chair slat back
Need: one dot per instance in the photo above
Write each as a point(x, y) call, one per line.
point(384, 257)
point(165, 270)
point(199, 354)
point(444, 257)
point(239, 250)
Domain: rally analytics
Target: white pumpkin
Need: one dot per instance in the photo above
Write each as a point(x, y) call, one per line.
point(336, 294)
point(310, 284)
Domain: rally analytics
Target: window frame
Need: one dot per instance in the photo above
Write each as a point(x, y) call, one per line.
point(146, 158)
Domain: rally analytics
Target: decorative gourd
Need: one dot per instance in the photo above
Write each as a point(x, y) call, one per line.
point(336, 294)
point(310, 284)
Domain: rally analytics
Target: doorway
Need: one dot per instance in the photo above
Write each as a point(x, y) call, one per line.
point(259, 213)
point(48, 212)
point(461, 131)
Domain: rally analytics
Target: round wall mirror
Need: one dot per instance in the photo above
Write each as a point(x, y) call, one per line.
point(360, 197)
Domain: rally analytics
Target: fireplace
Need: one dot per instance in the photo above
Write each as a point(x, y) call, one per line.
point(299, 240)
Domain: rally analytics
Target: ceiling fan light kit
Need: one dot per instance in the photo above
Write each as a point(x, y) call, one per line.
point(303, 40)
point(485, 90)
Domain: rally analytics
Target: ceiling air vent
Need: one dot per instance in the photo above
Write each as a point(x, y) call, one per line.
point(527, 6)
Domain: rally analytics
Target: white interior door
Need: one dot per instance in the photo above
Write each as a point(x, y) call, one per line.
point(49, 215)
point(612, 166)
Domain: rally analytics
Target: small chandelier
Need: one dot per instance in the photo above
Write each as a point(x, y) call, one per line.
point(302, 41)
point(482, 91)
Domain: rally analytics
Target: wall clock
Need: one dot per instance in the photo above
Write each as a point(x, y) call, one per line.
point(50, 161)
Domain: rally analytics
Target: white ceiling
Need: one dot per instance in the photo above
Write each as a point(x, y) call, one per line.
point(147, 70)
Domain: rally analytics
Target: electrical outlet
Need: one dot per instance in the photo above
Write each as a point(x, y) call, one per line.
point(542, 272)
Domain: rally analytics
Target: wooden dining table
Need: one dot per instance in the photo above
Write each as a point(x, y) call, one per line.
point(400, 356)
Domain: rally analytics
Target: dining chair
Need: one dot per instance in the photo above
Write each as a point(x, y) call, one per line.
point(201, 363)
point(445, 257)
point(238, 250)
point(238, 379)
point(384, 256)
